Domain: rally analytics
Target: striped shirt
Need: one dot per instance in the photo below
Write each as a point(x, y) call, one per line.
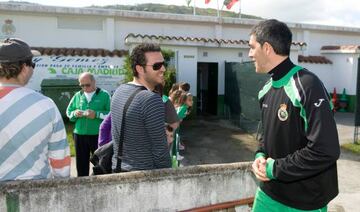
point(33, 141)
point(145, 146)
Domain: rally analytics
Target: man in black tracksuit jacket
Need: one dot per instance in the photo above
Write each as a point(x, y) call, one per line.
point(296, 159)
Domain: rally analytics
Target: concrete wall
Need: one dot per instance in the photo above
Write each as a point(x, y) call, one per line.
point(159, 190)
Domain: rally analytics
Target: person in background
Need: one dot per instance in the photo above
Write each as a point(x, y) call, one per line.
point(189, 103)
point(171, 117)
point(173, 88)
point(87, 108)
point(105, 135)
point(180, 104)
point(33, 141)
point(144, 145)
point(184, 86)
point(296, 159)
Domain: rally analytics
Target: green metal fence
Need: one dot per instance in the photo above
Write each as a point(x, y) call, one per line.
point(242, 85)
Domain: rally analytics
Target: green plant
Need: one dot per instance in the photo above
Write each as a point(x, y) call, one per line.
point(355, 148)
point(69, 126)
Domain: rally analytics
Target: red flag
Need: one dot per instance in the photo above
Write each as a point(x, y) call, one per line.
point(207, 1)
point(230, 3)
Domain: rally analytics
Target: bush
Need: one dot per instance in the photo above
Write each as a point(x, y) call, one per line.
point(353, 147)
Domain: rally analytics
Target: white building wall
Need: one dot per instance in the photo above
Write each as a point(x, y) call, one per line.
point(220, 56)
point(325, 72)
point(317, 39)
point(43, 31)
point(110, 33)
point(236, 32)
point(186, 65)
point(344, 72)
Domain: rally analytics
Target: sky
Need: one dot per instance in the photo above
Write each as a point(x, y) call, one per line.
point(325, 12)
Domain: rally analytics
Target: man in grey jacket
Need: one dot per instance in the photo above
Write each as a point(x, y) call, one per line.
point(144, 141)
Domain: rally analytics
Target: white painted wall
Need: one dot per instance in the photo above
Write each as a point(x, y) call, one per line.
point(220, 55)
point(187, 59)
point(317, 39)
point(42, 31)
point(344, 72)
point(325, 72)
point(236, 32)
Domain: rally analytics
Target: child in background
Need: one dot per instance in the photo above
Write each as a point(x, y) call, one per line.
point(189, 103)
point(171, 118)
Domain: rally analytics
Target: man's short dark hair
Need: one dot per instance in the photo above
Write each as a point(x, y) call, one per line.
point(138, 55)
point(276, 33)
point(13, 69)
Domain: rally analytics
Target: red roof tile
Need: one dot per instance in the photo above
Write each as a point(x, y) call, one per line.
point(314, 59)
point(342, 47)
point(209, 40)
point(80, 52)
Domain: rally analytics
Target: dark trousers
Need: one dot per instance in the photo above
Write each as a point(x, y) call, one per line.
point(84, 145)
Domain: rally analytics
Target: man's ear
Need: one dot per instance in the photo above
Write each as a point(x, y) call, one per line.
point(268, 48)
point(139, 69)
point(22, 73)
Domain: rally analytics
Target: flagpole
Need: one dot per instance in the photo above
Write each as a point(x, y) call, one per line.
point(218, 12)
point(240, 9)
point(194, 10)
point(222, 7)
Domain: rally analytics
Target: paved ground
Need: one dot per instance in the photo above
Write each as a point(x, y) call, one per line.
point(345, 126)
point(348, 168)
point(213, 141)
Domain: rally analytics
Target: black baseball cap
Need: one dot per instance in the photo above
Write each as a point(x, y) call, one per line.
point(14, 49)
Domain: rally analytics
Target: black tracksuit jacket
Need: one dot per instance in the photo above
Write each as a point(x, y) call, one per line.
point(299, 132)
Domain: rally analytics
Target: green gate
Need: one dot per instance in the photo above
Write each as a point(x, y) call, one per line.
point(242, 85)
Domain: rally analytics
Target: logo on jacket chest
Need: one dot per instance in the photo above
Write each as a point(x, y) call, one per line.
point(282, 112)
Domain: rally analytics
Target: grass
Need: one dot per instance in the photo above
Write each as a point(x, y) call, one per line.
point(69, 131)
point(355, 148)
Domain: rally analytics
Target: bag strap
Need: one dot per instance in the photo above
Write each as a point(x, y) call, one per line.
point(121, 141)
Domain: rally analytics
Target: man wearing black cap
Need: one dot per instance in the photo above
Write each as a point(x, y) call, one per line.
point(33, 141)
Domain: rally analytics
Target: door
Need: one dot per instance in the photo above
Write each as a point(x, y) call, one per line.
point(207, 88)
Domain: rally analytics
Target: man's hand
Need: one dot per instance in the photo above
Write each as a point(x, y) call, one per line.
point(78, 113)
point(90, 114)
point(259, 169)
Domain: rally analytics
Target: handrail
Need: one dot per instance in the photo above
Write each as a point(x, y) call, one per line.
point(224, 205)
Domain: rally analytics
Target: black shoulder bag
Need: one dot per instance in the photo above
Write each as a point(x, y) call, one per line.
point(101, 159)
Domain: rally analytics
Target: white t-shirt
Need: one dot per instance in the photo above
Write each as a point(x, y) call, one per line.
point(89, 95)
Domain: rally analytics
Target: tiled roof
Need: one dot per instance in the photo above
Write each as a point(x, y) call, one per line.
point(314, 59)
point(207, 40)
point(342, 47)
point(80, 52)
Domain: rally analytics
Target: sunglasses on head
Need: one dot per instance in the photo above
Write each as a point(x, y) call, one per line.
point(85, 85)
point(157, 66)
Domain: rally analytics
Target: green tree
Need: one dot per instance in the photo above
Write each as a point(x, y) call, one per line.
point(188, 2)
